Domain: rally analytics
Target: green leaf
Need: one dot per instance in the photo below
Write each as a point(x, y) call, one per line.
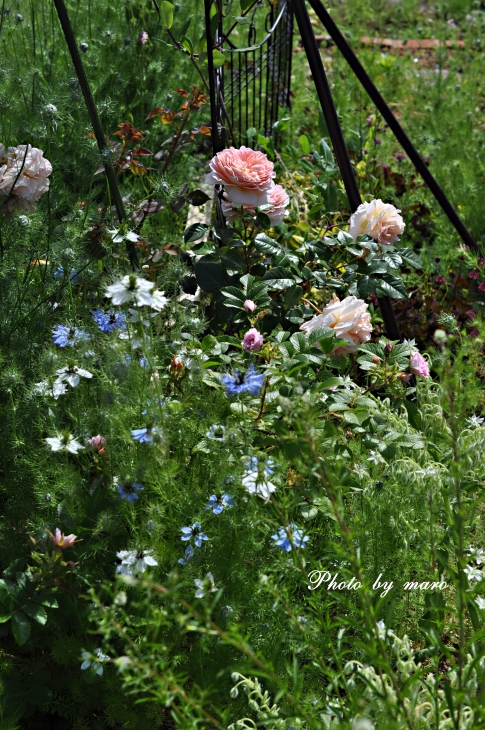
point(166, 12)
point(38, 613)
point(305, 144)
point(208, 343)
point(210, 275)
point(410, 257)
point(233, 260)
point(218, 58)
point(185, 27)
point(366, 286)
point(195, 231)
point(278, 278)
point(197, 197)
point(245, 4)
point(21, 627)
point(414, 415)
point(265, 244)
point(320, 333)
point(391, 286)
point(263, 220)
point(242, 20)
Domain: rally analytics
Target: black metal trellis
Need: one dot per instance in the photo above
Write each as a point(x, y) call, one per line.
point(273, 57)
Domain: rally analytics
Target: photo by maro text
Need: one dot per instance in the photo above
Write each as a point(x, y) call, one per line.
point(332, 583)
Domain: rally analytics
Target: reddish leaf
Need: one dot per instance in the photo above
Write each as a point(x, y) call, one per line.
point(141, 151)
point(155, 112)
point(152, 206)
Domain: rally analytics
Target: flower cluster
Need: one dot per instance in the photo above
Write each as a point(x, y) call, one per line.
point(248, 180)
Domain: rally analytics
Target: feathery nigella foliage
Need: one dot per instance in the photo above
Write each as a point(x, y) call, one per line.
point(224, 489)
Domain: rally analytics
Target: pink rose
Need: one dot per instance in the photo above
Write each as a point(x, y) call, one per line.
point(379, 220)
point(348, 318)
point(418, 365)
point(247, 175)
point(278, 198)
point(253, 340)
point(249, 305)
point(24, 172)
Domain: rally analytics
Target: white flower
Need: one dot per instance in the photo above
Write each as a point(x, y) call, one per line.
point(134, 561)
point(379, 220)
point(131, 288)
point(159, 300)
point(256, 484)
point(64, 443)
point(376, 458)
point(24, 172)
point(45, 388)
point(117, 236)
point(480, 603)
point(473, 573)
point(205, 586)
point(475, 421)
point(72, 375)
point(477, 554)
point(349, 320)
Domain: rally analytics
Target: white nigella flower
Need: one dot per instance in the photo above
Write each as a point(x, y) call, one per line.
point(65, 442)
point(382, 631)
point(412, 342)
point(480, 603)
point(72, 374)
point(477, 554)
point(257, 484)
point(118, 236)
point(45, 388)
point(473, 573)
point(474, 421)
point(217, 433)
point(134, 561)
point(159, 300)
point(131, 288)
point(376, 458)
point(360, 471)
point(205, 586)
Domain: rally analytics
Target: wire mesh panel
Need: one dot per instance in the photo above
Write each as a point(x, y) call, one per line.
point(255, 80)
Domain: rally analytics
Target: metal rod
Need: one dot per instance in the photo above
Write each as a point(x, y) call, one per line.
point(393, 124)
point(212, 80)
point(93, 115)
point(337, 137)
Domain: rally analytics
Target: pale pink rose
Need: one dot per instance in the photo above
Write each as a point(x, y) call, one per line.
point(348, 318)
point(143, 37)
point(247, 175)
point(379, 220)
point(249, 305)
point(24, 172)
point(63, 541)
point(278, 198)
point(253, 340)
point(418, 365)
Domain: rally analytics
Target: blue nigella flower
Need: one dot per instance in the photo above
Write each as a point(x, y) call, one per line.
point(290, 537)
point(194, 532)
point(249, 382)
point(63, 336)
point(188, 555)
point(216, 433)
point(59, 273)
point(110, 320)
point(217, 504)
point(145, 435)
point(255, 464)
point(129, 491)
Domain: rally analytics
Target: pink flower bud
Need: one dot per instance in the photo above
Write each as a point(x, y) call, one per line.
point(418, 365)
point(253, 340)
point(249, 305)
